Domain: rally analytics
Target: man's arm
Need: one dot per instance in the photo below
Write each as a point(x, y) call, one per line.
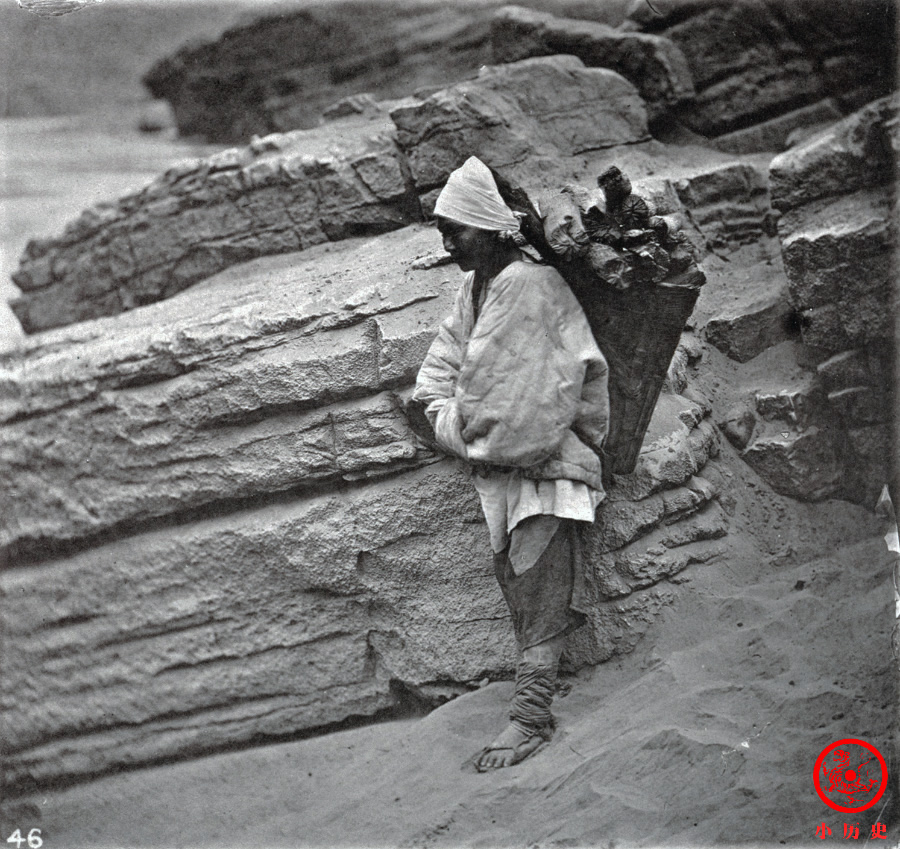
point(439, 373)
point(592, 421)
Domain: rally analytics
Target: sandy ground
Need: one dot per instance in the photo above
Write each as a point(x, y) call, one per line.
point(707, 734)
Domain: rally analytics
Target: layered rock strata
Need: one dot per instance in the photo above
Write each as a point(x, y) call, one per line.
point(654, 65)
point(286, 192)
point(176, 407)
point(374, 168)
point(754, 60)
point(223, 530)
point(838, 232)
point(282, 193)
point(219, 524)
point(719, 67)
point(759, 315)
point(279, 72)
point(796, 446)
point(528, 118)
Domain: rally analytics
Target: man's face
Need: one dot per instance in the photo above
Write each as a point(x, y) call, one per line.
point(468, 247)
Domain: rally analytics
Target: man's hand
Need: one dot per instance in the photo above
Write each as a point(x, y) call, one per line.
point(447, 429)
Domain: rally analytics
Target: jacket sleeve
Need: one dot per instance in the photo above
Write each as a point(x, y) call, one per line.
point(439, 373)
point(520, 384)
point(592, 421)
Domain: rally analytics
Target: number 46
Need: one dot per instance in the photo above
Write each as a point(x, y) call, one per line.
point(34, 838)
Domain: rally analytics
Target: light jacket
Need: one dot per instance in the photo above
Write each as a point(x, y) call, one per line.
point(524, 387)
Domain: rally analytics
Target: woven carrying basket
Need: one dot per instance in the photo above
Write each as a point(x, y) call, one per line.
point(637, 329)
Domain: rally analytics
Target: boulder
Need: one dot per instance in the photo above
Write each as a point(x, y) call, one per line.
point(285, 382)
point(291, 383)
point(517, 116)
point(838, 233)
point(729, 202)
point(221, 529)
point(793, 441)
point(747, 67)
point(249, 626)
point(755, 60)
point(838, 258)
point(795, 404)
point(287, 192)
point(721, 201)
point(272, 616)
point(802, 464)
point(654, 65)
point(857, 153)
point(756, 317)
point(278, 71)
point(738, 423)
point(282, 193)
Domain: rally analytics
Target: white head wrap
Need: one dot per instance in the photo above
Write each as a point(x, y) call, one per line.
point(470, 197)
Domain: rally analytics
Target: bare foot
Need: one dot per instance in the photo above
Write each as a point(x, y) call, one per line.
point(509, 748)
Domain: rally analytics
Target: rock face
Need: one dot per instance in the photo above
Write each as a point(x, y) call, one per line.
point(754, 60)
point(531, 111)
point(752, 326)
point(282, 193)
point(729, 203)
point(776, 133)
point(279, 72)
point(751, 71)
point(142, 412)
point(758, 316)
point(284, 552)
point(794, 449)
point(219, 524)
point(854, 155)
point(719, 67)
point(654, 65)
point(287, 192)
point(837, 233)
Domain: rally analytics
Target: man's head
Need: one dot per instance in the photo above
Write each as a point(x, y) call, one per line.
point(472, 217)
point(469, 247)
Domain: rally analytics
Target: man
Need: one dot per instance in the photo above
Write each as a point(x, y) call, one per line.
point(515, 385)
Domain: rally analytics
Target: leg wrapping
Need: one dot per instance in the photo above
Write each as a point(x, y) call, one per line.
point(530, 708)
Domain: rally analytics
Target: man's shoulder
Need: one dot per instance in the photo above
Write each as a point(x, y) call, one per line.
point(532, 274)
point(541, 290)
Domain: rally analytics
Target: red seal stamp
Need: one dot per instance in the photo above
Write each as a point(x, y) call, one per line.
point(850, 775)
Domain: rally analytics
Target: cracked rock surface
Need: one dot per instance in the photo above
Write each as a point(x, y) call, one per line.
point(219, 528)
point(280, 194)
point(174, 472)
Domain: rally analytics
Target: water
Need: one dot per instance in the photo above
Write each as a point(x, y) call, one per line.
point(53, 168)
